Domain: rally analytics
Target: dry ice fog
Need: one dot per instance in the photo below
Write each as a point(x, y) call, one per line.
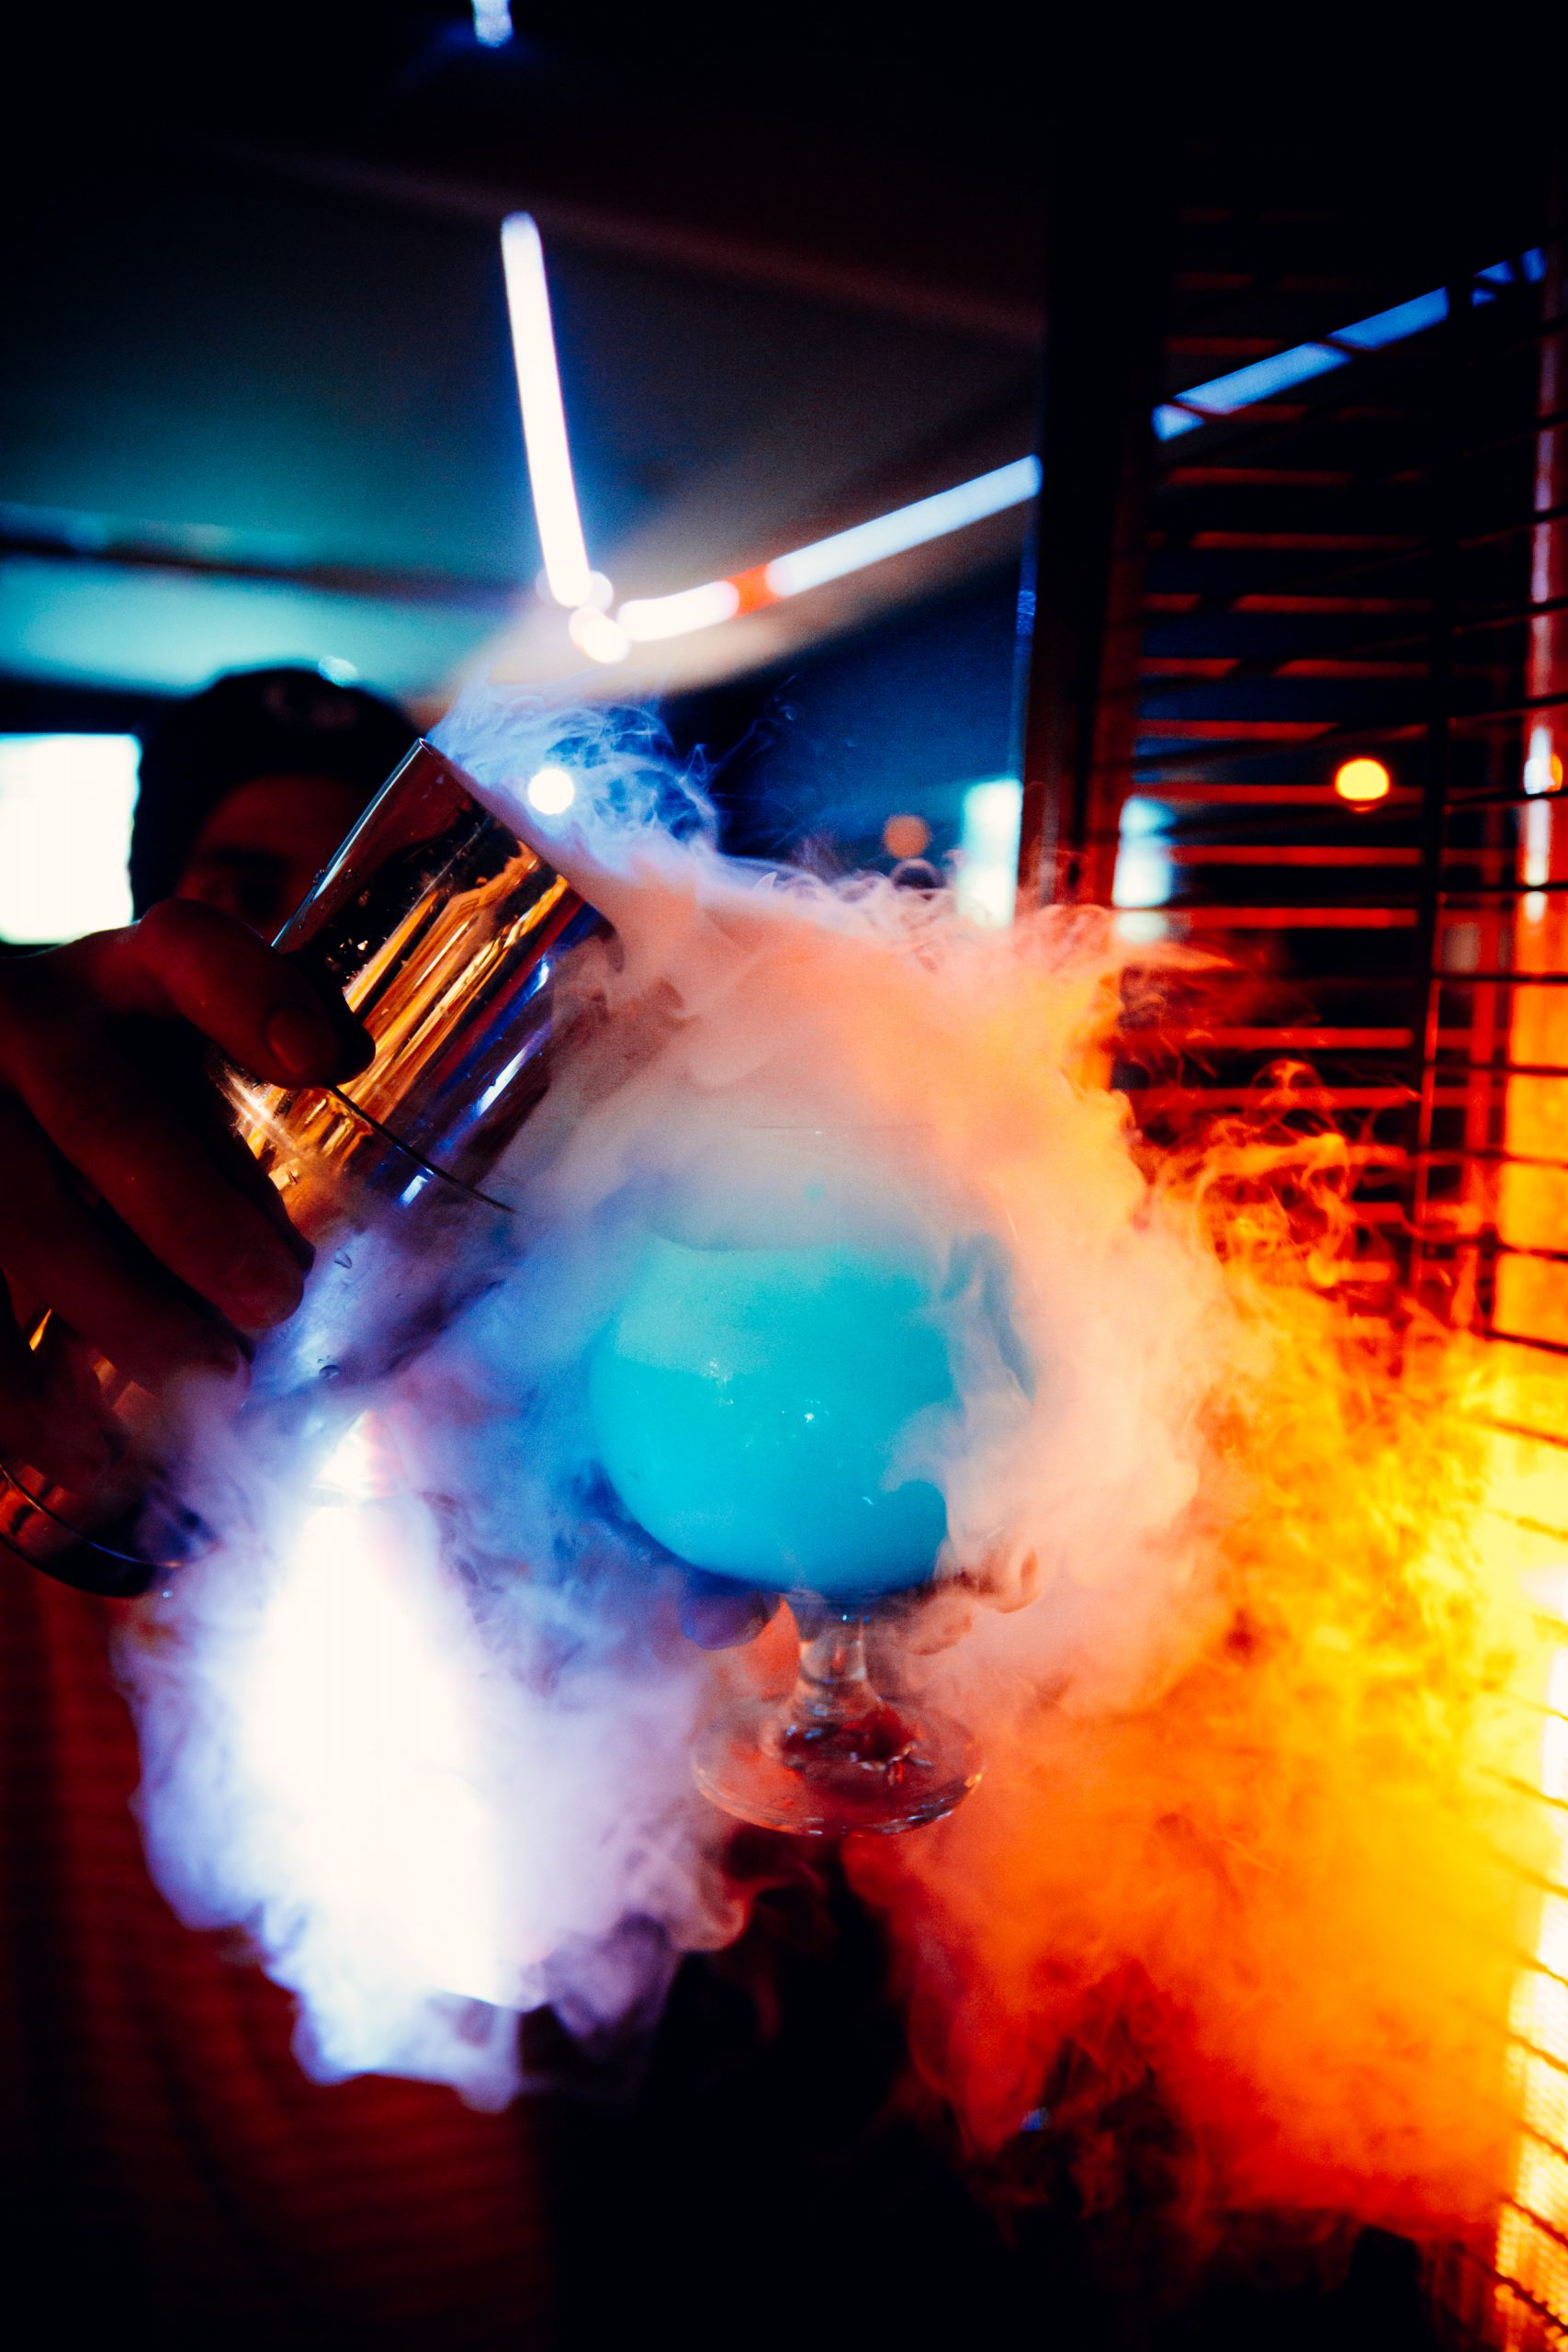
point(420, 1727)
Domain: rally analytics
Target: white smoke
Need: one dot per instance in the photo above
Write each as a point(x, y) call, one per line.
point(420, 1725)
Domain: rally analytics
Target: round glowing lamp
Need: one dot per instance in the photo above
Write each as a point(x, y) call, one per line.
point(906, 836)
point(551, 791)
point(1362, 781)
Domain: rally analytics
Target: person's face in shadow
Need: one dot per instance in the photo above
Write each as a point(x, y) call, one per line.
point(264, 845)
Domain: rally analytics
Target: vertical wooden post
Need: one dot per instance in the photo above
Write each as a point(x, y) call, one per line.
point(1109, 186)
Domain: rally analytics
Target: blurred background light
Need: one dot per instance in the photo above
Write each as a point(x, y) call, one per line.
point(1542, 776)
point(1141, 928)
point(1222, 395)
point(1143, 869)
point(986, 884)
point(648, 619)
point(907, 527)
point(1543, 766)
point(1392, 325)
point(167, 632)
point(1244, 386)
point(493, 23)
point(551, 790)
point(1362, 781)
point(570, 576)
point(65, 807)
point(597, 635)
point(906, 836)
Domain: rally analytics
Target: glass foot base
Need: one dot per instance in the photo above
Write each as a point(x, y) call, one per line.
point(885, 1772)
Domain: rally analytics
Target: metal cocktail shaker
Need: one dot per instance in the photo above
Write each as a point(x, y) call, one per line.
point(448, 935)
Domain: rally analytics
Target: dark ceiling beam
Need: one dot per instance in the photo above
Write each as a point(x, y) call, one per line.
point(667, 241)
point(92, 538)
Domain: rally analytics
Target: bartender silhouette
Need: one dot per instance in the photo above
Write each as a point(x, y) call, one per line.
point(165, 2164)
point(167, 2167)
point(182, 1249)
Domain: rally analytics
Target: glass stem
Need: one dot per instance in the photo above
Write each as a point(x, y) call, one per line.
point(833, 1688)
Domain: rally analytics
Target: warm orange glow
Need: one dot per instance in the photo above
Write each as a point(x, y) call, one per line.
point(1362, 781)
point(1235, 1614)
point(1530, 2249)
point(1525, 1197)
point(906, 836)
point(1280, 1891)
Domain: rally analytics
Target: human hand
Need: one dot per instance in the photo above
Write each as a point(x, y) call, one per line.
point(128, 1205)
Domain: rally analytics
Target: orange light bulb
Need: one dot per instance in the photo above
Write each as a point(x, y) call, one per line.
point(906, 836)
point(1362, 781)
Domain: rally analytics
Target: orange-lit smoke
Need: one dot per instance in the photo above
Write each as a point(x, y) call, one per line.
point(1228, 1608)
point(1248, 1678)
point(1221, 1600)
point(1270, 1873)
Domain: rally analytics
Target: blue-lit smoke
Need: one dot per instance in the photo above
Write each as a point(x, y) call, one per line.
point(421, 1725)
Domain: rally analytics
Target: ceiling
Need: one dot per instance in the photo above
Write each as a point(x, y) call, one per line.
point(267, 407)
point(262, 404)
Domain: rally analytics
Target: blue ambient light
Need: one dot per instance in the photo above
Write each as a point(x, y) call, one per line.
point(1222, 395)
point(493, 23)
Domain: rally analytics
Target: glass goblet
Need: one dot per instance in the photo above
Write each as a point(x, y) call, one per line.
point(768, 1402)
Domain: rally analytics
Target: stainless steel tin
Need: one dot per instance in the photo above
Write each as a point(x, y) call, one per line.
point(448, 936)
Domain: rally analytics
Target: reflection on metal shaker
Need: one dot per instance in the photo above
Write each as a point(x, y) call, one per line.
point(449, 937)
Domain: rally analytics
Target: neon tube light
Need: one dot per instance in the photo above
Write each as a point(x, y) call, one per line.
point(567, 568)
point(646, 620)
point(1222, 395)
point(907, 526)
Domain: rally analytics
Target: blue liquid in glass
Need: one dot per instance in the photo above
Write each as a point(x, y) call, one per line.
point(748, 1405)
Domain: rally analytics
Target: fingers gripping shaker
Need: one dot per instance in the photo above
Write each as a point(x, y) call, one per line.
point(452, 939)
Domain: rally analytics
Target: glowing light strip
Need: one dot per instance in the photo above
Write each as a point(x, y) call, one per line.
point(1246, 386)
point(645, 620)
point(492, 22)
point(1222, 395)
point(907, 527)
point(648, 619)
point(567, 568)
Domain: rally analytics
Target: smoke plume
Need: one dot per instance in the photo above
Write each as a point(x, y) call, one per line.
point(1210, 1599)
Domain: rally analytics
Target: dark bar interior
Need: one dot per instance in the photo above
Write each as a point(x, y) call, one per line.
point(783, 1181)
